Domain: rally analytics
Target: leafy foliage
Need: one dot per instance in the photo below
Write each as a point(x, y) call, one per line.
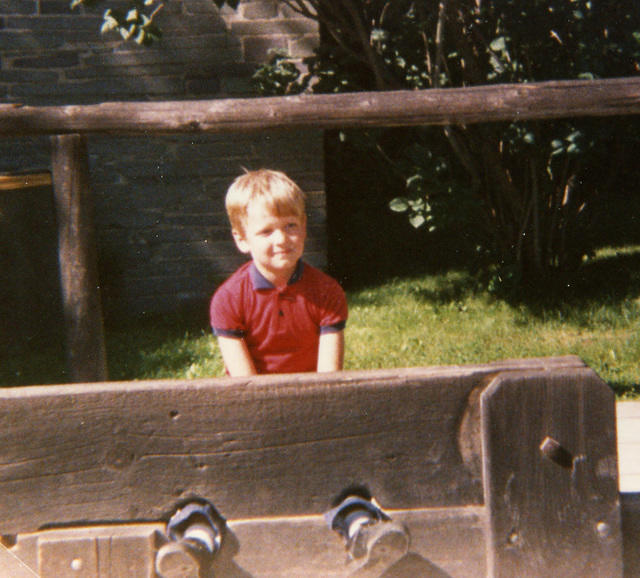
point(538, 186)
point(134, 22)
point(279, 76)
point(535, 186)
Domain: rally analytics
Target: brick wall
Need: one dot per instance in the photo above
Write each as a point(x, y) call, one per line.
point(163, 239)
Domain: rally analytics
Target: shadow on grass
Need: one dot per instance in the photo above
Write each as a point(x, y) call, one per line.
point(135, 346)
point(625, 390)
point(607, 280)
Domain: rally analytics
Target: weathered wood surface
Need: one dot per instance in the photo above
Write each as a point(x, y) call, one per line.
point(268, 547)
point(506, 102)
point(555, 512)
point(24, 181)
point(446, 542)
point(113, 551)
point(86, 353)
point(269, 446)
point(272, 452)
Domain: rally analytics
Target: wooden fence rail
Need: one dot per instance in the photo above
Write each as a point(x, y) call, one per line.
point(501, 102)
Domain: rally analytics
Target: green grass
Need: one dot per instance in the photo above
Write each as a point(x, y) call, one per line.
point(412, 323)
point(439, 319)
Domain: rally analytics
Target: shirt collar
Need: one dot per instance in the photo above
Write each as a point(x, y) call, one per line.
point(259, 281)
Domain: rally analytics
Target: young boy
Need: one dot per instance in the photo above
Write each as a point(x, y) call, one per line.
point(275, 314)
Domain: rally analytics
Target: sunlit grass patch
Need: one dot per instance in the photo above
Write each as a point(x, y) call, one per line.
point(443, 319)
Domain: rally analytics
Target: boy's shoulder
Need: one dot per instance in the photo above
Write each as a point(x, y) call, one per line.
point(314, 276)
point(320, 287)
point(232, 283)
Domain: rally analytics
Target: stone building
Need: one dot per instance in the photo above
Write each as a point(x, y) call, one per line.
point(162, 235)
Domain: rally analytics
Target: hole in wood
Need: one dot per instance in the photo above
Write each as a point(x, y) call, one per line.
point(8, 540)
point(174, 414)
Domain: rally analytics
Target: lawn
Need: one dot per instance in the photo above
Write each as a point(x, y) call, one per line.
point(437, 319)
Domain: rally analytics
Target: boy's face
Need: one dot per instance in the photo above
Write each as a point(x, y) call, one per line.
point(275, 243)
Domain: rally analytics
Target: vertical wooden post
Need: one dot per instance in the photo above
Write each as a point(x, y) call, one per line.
point(86, 356)
point(551, 475)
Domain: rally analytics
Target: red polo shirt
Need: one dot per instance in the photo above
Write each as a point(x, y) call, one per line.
point(281, 327)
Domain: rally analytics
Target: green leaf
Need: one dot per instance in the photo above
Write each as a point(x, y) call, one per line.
point(416, 220)
point(109, 23)
point(378, 35)
point(413, 180)
point(498, 44)
point(399, 205)
point(142, 37)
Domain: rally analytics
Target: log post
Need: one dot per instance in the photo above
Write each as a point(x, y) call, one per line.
point(86, 356)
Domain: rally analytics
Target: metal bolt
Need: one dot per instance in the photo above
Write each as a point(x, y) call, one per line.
point(372, 539)
point(195, 534)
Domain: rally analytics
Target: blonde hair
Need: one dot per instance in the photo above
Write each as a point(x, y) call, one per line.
point(279, 193)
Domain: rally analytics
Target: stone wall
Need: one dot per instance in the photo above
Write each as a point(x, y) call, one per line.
point(163, 238)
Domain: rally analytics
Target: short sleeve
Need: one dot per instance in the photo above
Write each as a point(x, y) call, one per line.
point(224, 313)
point(334, 312)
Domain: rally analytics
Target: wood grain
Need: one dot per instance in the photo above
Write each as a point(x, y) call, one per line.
point(549, 514)
point(491, 103)
point(268, 446)
point(82, 305)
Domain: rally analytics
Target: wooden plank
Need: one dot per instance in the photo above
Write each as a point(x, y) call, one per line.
point(265, 446)
point(11, 564)
point(98, 552)
point(86, 353)
point(444, 542)
point(504, 102)
point(25, 181)
point(102, 551)
point(554, 512)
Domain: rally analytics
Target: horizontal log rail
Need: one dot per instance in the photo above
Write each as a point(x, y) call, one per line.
point(490, 103)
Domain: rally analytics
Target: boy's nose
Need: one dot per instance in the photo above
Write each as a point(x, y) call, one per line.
point(279, 236)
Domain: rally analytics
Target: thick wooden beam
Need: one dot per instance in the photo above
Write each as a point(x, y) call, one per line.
point(551, 476)
point(86, 357)
point(506, 102)
point(265, 446)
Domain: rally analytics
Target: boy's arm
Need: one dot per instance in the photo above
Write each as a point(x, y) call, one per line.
point(331, 351)
point(235, 355)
